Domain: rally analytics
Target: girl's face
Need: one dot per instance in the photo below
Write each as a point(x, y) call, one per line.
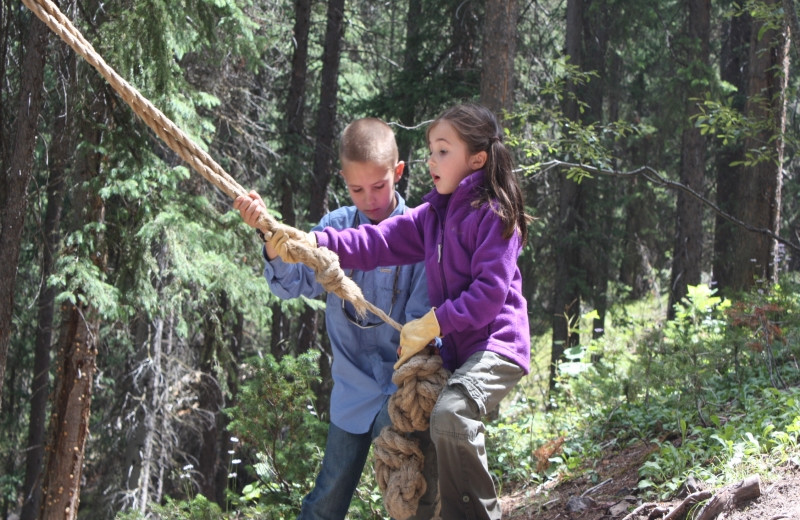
point(450, 161)
point(371, 187)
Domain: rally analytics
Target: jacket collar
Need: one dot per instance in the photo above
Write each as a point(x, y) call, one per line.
point(467, 188)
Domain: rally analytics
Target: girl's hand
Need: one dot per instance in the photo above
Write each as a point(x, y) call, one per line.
point(416, 335)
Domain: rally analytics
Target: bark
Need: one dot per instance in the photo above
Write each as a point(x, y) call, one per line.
point(499, 49)
point(61, 150)
point(324, 160)
point(688, 245)
point(325, 149)
point(14, 184)
point(792, 23)
point(734, 67)
point(77, 347)
point(69, 425)
point(766, 101)
point(730, 496)
point(411, 70)
point(566, 297)
point(295, 128)
point(754, 194)
point(596, 211)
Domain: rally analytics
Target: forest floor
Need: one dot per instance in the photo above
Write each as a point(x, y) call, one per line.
point(612, 493)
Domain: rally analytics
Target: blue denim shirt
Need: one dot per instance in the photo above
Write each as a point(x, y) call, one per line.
point(363, 358)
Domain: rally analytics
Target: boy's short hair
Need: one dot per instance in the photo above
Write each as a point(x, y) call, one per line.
point(369, 140)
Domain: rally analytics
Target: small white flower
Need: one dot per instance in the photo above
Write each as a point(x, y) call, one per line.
point(188, 467)
point(232, 475)
point(236, 461)
point(234, 439)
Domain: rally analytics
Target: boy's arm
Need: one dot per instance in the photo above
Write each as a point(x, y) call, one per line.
point(285, 280)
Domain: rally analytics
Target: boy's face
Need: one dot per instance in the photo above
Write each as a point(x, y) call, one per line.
point(371, 187)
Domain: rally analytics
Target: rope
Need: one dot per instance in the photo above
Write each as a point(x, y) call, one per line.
point(325, 263)
point(398, 459)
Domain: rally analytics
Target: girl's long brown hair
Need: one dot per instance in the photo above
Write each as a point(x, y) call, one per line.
point(477, 126)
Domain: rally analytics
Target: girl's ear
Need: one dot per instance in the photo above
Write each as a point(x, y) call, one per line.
point(477, 161)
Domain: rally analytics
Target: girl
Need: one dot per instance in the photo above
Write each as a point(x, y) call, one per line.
point(469, 232)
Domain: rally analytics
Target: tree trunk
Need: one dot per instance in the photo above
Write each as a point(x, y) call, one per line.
point(734, 67)
point(69, 423)
point(325, 148)
point(324, 160)
point(292, 145)
point(14, 184)
point(688, 247)
point(755, 195)
point(61, 150)
point(766, 101)
point(566, 297)
point(411, 69)
point(499, 49)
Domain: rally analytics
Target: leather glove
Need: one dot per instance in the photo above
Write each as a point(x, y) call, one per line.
point(281, 241)
point(416, 335)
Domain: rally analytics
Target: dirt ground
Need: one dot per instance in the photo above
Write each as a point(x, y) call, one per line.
point(613, 495)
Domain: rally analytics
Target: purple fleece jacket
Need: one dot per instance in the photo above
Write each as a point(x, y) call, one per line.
point(473, 278)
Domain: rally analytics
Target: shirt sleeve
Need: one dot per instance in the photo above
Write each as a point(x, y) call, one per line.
point(418, 302)
point(287, 280)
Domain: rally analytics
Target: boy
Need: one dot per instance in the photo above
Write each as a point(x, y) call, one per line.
point(365, 349)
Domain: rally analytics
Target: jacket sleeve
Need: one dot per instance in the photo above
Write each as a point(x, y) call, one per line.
point(395, 241)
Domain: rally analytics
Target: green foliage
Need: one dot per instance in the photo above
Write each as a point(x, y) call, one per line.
point(275, 418)
point(714, 390)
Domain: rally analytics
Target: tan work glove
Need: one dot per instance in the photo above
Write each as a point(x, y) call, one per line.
point(281, 242)
point(416, 334)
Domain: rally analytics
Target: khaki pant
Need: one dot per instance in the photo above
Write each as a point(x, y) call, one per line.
point(458, 434)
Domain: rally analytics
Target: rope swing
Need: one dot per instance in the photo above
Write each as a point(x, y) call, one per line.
point(324, 262)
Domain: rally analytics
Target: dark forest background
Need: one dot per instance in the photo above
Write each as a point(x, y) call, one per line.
point(657, 142)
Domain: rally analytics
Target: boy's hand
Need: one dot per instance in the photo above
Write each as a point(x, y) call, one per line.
point(416, 335)
point(250, 207)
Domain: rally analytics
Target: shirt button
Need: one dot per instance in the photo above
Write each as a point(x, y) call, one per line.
point(465, 498)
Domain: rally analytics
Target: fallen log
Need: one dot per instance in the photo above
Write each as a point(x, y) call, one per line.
point(731, 496)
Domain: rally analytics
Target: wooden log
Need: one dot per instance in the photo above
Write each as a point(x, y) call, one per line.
point(731, 496)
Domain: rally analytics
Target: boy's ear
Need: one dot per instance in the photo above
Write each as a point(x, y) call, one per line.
point(477, 161)
point(398, 170)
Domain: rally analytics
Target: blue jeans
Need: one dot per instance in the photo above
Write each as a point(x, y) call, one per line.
point(342, 465)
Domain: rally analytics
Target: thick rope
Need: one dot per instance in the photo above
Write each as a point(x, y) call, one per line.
point(324, 262)
point(398, 459)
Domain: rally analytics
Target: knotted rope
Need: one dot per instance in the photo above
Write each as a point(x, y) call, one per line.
point(398, 458)
point(325, 263)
